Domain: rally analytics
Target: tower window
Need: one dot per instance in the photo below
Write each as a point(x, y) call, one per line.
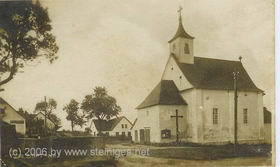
point(245, 115)
point(215, 115)
point(174, 46)
point(147, 113)
point(186, 49)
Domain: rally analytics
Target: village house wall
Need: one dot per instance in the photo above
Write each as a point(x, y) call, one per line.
point(49, 123)
point(13, 118)
point(120, 129)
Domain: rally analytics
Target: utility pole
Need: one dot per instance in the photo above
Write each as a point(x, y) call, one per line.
point(235, 78)
point(177, 125)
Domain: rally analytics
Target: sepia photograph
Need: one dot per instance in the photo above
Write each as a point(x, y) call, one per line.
point(121, 83)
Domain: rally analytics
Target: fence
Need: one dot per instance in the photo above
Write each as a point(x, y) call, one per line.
point(63, 142)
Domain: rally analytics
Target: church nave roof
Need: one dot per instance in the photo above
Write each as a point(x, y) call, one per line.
point(217, 74)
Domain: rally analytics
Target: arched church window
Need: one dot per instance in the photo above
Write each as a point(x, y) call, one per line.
point(215, 116)
point(245, 115)
point(186, 49)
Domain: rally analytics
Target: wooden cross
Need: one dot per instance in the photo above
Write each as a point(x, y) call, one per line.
point(177, 124)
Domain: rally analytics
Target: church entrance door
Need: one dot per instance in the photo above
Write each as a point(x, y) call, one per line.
point(142, 136)
point(136, 136)
point(147, 135)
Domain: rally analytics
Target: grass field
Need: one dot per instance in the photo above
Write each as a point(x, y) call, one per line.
point(137, 161)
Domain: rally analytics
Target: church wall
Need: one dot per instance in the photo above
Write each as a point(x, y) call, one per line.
point(166, 122)
point(211, 132)
point(148, 118)
point(224, 130)
point(191, 119)
point(173, 72)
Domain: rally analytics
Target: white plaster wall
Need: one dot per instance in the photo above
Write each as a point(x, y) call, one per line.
point(166, 122)
point(175, 75)
point(179, 51)
point(267, 133)
point(93, 129)
point(11, 114)
point(224, 130)
point(119, 128)
point(49, 123)
point(194, 118)
point(150, 120)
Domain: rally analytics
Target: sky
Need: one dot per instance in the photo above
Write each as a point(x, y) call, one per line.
point(123, 45)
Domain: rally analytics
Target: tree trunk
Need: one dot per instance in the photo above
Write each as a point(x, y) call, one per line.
point(72, 125)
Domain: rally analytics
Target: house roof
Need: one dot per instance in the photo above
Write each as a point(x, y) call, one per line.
point(133, 124)
point(266, 115)
point(165, 93)
point(35, 115)
point(108, 125)
point(208, 73)
point(2, 101)
point(181, 32)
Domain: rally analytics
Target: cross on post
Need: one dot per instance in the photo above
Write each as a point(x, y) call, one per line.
point(177, 124)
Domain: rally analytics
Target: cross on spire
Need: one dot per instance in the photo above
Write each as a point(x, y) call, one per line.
point(180, 12)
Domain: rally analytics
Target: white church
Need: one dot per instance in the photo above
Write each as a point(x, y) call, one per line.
point(201, 91)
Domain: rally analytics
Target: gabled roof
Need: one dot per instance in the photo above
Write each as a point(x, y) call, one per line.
point(181, 32)
point(208, 73)
point(108, 125)
point(35, 115)
point(133, 124)
point(165, 93)
point(2, 101)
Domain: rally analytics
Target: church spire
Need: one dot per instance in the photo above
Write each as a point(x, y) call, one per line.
point(181, 31)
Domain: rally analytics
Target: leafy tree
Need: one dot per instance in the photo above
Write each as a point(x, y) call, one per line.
point(73, 114)
point(46, 106)
point(33, 126)
point(100, 105)
point(55, 120)
point(25, 36)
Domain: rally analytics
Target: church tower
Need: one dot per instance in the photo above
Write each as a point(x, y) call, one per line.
point(181, 45)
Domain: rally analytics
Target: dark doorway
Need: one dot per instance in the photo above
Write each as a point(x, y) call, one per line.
point(136, 136)
point(142, 136)
point(147, 136)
